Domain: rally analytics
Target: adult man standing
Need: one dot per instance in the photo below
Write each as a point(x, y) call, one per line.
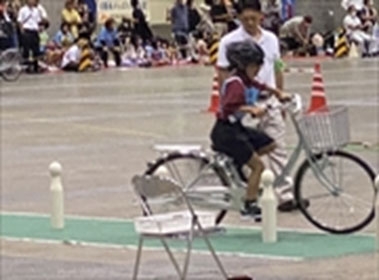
point(29, 18)
point(272, 123)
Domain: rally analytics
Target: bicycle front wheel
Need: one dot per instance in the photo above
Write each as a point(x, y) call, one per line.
point(12, 74)
point(191, 169)
point(347, 204)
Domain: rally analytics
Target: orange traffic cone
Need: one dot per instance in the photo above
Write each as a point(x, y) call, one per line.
point(318, 98)
point(215, 97)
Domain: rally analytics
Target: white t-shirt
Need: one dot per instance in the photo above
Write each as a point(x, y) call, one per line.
point(29, 18)
point(291, 27)
point(268, 42)
point(71, 55)
point(351, 20)
point(42, 11)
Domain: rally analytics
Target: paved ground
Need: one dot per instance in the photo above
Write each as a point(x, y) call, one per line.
point(102, 127)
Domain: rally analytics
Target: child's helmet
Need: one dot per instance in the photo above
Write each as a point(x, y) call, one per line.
point(244, 53)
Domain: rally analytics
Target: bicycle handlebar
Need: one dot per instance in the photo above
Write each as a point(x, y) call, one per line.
point(292, 106)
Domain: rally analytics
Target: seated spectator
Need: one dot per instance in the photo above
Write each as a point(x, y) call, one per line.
point(295, 34)
point(159, 56)
point(107, 41)
point(79, 58)
point(63, 38)
point(43, 36)
point(355, 33)
point(71, 16)
point(135, 55)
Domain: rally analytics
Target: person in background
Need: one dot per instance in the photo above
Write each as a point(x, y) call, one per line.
point(43, 13)
point(355, 31)
point(43, 36)
point(125, 30)
point(78, 58)
point(107, 41)
point(141, 28)
point(88, 24)
point(29, 18)
point(71, 16)
point(221, 16)
point(193, 16)
point(6, 30)
point(180, 26)
point(63, 38)
point(272, 19)
point(11, 9)
point(295, 34)
point(368, 16)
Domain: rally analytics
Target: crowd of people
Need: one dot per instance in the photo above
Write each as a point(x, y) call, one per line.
point(79, 45)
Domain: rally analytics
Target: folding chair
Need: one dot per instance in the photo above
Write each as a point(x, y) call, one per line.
point(163, 226)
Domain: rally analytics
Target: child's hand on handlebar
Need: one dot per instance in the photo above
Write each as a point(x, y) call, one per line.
point(284, 97)
point(257, 112)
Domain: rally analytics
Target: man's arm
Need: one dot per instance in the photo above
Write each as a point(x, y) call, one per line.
point(222, 63)
point(278, 66)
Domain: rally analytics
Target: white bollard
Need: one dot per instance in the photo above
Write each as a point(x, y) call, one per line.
point(162, 172)
point(269, 208)
point(56, 190)
point(377, 227)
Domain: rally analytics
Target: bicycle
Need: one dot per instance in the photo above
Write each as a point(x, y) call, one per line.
point(10, 65)
point(216, 182)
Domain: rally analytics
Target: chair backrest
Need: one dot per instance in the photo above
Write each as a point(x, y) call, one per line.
point(157, 190)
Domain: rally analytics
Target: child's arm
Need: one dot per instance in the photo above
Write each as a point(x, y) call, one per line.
point(277, 92)
point(255, 111)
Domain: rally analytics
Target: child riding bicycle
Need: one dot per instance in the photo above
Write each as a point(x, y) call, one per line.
point(239, 96)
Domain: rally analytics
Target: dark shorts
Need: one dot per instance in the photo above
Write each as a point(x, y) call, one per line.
point(238, 142)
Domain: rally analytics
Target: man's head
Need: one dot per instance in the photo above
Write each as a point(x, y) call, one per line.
point(109, 23)
point(31, 2)
point(69, 4)
point(352, 10)
point(307, 21)
point(180, 2)
point(250, 15)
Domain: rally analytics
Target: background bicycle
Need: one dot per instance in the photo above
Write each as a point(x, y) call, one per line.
point(10, 65)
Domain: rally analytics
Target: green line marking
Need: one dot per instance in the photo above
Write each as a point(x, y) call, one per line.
point(234, 241)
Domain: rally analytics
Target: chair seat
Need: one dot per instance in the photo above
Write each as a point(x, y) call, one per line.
point(172, 223)
point(209, 189)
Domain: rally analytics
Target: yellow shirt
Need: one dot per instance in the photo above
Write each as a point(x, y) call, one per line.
point(72, 17)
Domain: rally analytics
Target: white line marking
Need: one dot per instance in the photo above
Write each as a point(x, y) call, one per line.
point(150, 248)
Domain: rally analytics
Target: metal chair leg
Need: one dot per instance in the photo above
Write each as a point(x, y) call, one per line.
point(188, 254)
point(171, 256)
point(217, 260)
point(138, 258)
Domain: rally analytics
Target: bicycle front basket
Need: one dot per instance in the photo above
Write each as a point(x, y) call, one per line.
point(326, 129)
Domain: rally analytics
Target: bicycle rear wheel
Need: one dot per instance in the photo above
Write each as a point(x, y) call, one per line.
point(351, 206)
point(185, 168)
